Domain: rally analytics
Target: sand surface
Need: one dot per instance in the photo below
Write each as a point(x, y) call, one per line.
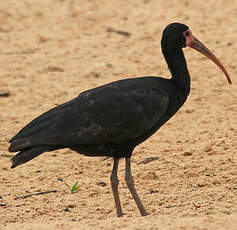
point(51, 50)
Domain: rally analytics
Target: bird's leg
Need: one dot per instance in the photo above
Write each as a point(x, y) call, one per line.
point(130, 184)
point(114, 184)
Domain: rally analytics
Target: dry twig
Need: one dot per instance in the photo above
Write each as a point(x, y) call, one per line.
point(120, 32)
point(34, 194)
point(148, 160)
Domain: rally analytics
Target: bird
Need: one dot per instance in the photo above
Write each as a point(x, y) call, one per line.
point(112, 119)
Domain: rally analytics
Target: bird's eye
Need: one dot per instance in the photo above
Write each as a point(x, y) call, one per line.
point(187, 33)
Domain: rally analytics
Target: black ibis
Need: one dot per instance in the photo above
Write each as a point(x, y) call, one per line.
point(112, 119)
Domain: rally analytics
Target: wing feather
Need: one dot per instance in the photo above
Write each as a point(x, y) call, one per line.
point(114, 113)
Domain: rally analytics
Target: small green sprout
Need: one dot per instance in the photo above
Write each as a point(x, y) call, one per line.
point(74, 188)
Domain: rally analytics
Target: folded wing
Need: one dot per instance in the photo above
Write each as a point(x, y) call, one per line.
point(113, 113)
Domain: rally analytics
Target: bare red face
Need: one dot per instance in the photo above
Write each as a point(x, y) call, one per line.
point(188, 35)
point(194, 43)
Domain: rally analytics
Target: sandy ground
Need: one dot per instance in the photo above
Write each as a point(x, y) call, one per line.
point(51, 50)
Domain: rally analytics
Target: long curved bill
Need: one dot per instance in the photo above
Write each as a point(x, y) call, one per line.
point(197, 45)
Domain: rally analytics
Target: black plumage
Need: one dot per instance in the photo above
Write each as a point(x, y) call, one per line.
point(105, 120)
point(111, 120)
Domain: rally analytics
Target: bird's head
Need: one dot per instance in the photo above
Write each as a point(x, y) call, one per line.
point(173, 37)
point(177, 36)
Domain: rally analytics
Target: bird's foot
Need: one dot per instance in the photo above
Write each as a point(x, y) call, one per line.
point(145, 213)
point(119, 214)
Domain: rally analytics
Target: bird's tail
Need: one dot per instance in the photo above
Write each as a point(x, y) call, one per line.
point(28, 154)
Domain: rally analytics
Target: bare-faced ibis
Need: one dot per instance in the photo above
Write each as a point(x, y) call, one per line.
point(112, 119)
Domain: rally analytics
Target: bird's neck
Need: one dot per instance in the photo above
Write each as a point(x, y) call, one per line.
point(178, 68)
